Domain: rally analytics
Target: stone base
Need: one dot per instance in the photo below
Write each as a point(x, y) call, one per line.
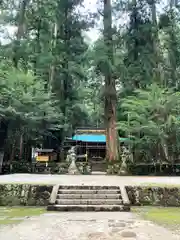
point(89, 208)
point(123, 172)
point(73, 170)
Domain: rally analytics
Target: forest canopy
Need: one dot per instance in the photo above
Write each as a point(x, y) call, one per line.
point(55, 78)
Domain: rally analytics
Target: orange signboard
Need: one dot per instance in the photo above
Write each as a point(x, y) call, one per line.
point(42, 158)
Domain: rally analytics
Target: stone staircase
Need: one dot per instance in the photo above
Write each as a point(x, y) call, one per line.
point(88, 198)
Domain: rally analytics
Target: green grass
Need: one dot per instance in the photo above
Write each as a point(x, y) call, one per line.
point(18, 212)
point(9, 221)
point(169, 216)
point(25, 211)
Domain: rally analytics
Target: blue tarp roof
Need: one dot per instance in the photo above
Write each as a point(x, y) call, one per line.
point(93, 138)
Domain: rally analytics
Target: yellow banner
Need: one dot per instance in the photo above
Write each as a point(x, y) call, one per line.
point(42, 158)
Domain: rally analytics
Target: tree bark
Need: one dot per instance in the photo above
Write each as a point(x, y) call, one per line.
point(66, 60)
point(112, 148)
point(8, 147)
point(156, 52)
point(66, 80)
point(21, 145)
point(53, 45)
point(20, 30)
point(172, 49)
point(37, 48)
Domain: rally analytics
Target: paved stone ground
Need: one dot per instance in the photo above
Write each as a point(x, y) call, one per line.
point(87, 179)
point(86, 226)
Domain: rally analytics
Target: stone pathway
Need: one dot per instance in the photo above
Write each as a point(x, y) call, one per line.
point(86, 226)
point(87, 179)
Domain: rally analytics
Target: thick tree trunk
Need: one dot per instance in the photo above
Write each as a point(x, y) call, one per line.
point(13, 148)
point(156, 52)
point(8, 146)
point(172, 49)
point(37, 48)
point(66, 60)
point(21, 146)
point(112, 145)
point(53, 45)
point(20, 30)
point(134, 23)
point(66, 84)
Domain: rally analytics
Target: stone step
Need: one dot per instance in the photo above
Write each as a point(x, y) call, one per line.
point(88, 196)
point(88, 191)
point(88, 187)
point(98, 172)
point(89, 202)
point(89, 208)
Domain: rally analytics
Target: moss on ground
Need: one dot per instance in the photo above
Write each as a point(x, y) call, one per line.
point(160, 185)
point(30, 183)
point(25, 211)
point(166, 216)
point(18, 212)
point(9, 221)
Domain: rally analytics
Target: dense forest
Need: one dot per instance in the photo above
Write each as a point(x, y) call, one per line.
point(54, 78)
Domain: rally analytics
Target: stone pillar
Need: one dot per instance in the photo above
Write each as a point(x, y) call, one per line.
point(124, 157)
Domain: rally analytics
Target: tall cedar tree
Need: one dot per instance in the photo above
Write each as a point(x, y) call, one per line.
point(112, 143)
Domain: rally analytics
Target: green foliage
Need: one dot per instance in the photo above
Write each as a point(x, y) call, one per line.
point(113, 169)
point(39, 167)
point(41, 69)
point(153, 119)
point(52, 79)
point(24, 101)
point(138, 38)
point(84, 168)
